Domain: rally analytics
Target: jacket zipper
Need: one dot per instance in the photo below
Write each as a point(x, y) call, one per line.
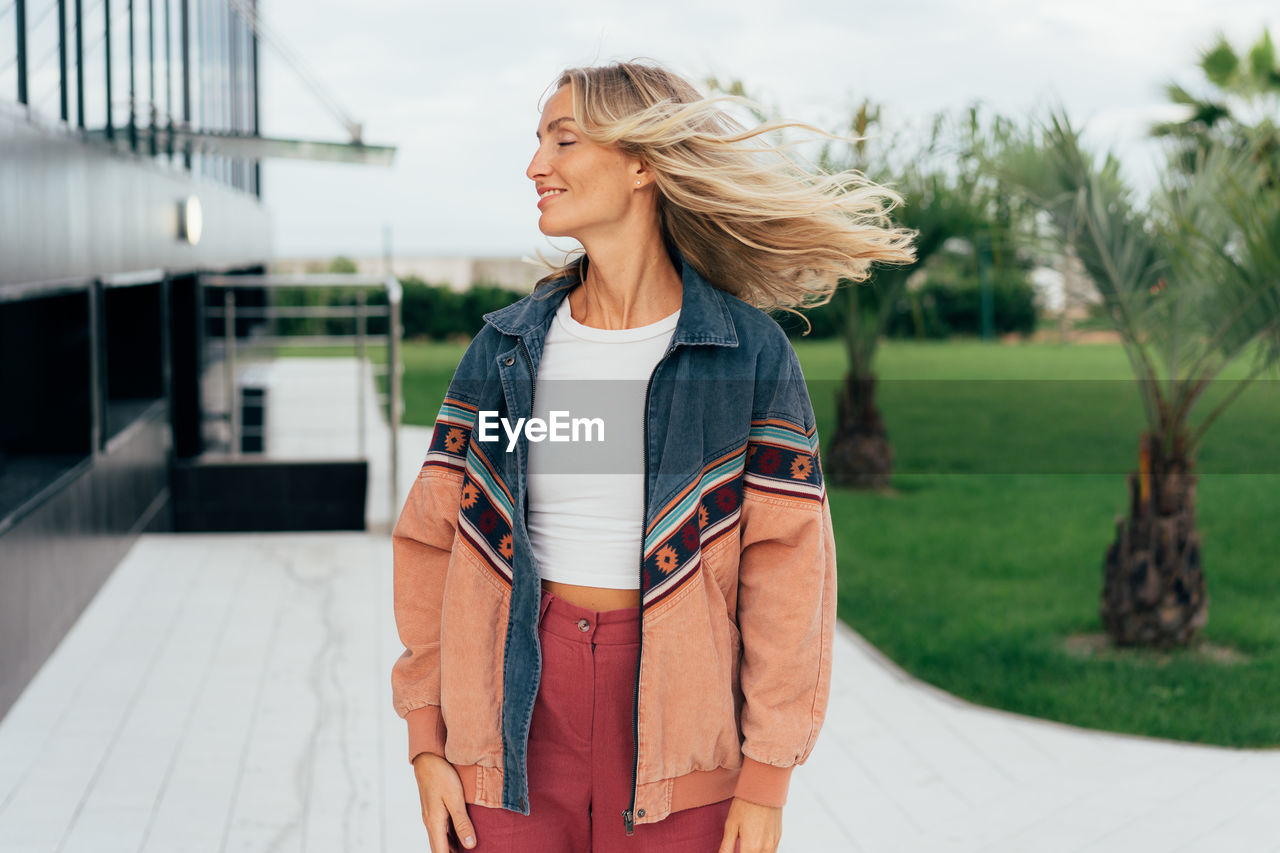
point(628, 816)
point(533, 391)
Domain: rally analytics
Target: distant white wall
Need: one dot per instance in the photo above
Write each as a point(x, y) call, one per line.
point(459, 272)
point(1065, 287)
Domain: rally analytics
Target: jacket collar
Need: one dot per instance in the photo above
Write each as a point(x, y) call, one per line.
point(704, 312)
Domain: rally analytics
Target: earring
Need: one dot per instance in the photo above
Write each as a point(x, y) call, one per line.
point(637, 183)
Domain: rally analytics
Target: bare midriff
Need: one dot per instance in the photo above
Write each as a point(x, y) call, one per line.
point(593, 597)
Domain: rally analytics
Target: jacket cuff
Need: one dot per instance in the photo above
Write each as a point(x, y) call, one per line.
point(763, 784)
point(426, 731)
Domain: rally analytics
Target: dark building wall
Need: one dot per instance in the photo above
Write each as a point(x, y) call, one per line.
point(54, 559)
point(99, 395)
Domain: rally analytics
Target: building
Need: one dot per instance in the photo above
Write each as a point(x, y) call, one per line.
point(130, 164)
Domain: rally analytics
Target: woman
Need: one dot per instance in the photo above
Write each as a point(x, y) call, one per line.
point(633, 651)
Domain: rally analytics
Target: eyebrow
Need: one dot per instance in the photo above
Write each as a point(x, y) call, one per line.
point(554, 123)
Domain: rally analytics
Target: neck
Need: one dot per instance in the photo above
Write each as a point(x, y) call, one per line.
point(629, 283)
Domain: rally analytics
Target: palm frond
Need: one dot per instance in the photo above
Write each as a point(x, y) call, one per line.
point(1262, 59)
point(1220, 63)
point(1223, 232)
point(1176, 93)
point(1093, 216)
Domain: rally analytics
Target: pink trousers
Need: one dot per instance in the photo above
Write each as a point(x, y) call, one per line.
point(581, 749)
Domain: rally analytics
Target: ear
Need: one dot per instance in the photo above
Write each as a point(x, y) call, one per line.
point(641, 174)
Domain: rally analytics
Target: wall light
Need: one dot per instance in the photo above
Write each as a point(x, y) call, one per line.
point(190, 220)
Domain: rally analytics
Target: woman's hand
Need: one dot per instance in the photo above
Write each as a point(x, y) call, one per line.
point(758, 829)
point(440, 791)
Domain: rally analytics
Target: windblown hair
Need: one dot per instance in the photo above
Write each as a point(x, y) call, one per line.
point(749, 218)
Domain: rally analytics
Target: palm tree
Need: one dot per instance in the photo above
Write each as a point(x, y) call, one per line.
point(940, 203)
point(1190, 282)
point(1244, 96)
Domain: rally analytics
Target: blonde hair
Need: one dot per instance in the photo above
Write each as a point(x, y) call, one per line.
point(746, 216)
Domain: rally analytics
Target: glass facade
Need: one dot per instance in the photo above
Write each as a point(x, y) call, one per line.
point(132, 71)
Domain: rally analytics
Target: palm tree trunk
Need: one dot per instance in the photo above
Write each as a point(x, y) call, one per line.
point(860, 455)
point(1154, 592)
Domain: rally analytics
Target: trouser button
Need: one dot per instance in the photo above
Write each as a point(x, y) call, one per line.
point(584, 625)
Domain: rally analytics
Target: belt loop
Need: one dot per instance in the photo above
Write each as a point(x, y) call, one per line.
point(546, 602)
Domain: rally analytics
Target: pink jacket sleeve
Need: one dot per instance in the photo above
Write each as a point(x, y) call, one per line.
point(786, 608)
point(422, 543)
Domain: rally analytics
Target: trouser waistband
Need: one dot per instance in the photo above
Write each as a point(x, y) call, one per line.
point(611, 627)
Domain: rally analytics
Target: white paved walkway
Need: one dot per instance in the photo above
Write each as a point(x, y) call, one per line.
point(230, 693)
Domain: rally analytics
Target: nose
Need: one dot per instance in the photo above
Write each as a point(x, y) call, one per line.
point(537, 166)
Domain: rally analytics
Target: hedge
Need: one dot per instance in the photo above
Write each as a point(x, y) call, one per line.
point(431, 311)
point(936, 310)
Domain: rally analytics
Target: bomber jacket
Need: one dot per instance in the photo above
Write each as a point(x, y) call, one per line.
point(737, 572)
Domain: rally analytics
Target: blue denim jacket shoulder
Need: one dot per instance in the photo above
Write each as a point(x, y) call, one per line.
point(753, 346)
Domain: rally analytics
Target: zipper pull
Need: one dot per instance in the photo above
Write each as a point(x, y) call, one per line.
point(628, 822)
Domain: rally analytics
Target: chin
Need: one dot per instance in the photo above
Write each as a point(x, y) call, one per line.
point(553, 230)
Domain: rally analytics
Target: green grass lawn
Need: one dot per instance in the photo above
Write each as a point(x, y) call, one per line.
point(986, 559)
point(1011, 465)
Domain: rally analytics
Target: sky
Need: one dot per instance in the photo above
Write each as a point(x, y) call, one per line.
point(456, 88)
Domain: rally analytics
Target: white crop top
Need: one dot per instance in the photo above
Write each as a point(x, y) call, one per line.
point(586, 497)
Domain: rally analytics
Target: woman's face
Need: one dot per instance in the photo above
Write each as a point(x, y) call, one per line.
point(582, 185)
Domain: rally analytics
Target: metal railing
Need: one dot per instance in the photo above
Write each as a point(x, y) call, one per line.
point(361, 311)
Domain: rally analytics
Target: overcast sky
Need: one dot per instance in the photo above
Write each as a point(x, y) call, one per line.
point(455, 87)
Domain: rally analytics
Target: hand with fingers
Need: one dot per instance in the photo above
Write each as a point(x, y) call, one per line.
point(440, 791)
point(751, 828)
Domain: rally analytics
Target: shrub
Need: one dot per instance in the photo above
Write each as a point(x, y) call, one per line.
point(439, 313)
point(937, 310)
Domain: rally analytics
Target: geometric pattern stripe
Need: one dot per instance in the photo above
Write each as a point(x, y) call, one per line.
point(451, 435)
point(779, 458)
point(485, 518)
point(485, 503)
point(698, 517)
point(783, 460)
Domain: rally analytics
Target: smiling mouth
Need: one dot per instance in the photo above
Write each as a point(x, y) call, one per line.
point(550, 194)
